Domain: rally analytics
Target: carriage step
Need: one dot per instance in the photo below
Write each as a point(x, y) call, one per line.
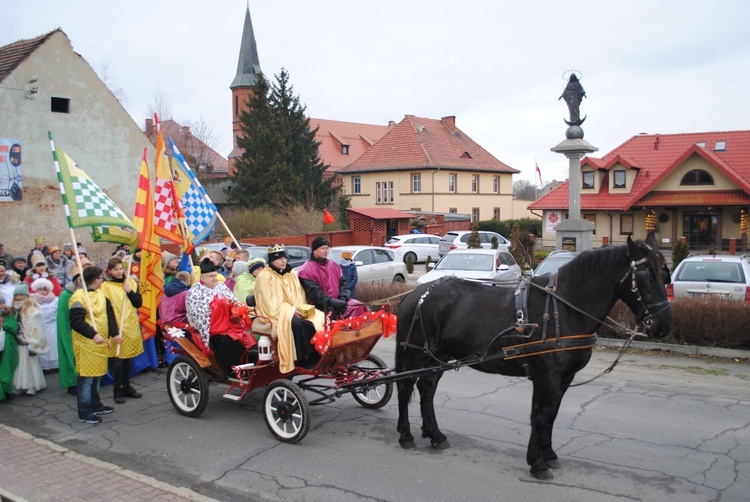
point(232, 397)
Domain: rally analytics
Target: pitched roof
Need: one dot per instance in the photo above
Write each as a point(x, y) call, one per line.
point(188, 143)
point(654, 156)
point(13, 54)
point(422, 143)
point(380, 213)
point(248, 64)
point(333, 134)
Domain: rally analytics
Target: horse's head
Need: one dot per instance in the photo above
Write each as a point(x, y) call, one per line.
point(642, 287)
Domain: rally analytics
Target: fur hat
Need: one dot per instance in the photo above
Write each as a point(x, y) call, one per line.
point(275, 252)
point(42, 283)
point(319, 241)
point(21, 289)
point(38, 258)
point(207, 266)
point(255, 263)
point(166, 258)
point(68, 247)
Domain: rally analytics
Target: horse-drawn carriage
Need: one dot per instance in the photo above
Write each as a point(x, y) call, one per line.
point(346, 365)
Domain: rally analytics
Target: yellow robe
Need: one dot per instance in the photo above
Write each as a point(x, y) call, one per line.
point(91, 358)
point(132, 341)
point(276, 298)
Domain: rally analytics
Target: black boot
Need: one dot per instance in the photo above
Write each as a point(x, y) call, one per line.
point(118, 370)
point(127, 389)
point(119, 396)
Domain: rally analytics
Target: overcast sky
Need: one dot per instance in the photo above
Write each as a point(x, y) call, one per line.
point(647, 66)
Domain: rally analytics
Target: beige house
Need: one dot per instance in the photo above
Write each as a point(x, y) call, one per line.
point(693, 185)
point(46, 86)
point(431, 165)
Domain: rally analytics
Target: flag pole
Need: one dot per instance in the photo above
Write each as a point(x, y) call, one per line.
point(83, 282)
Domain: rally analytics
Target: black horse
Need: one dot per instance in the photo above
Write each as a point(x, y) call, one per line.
point(468, 322)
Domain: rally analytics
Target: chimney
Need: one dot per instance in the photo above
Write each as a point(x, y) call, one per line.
point(449, 122)
point(149, 128)
point(391, 124)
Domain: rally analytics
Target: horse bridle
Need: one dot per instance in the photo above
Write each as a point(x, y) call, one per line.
point(639, 280)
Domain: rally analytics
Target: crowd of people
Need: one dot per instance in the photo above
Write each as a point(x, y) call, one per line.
point(82, 322)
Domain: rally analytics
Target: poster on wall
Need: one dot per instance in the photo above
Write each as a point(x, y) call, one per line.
point(551, 221)
point(11, 187)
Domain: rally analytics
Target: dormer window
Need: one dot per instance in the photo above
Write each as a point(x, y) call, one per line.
point(619, 178)
point(344, 149)
point(720, 146)
point(588, 179)
point(701, 144)
point(697, 177)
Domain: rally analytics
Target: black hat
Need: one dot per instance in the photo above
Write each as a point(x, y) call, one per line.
point(318, 242)
point(275, 252)
point(207, 266)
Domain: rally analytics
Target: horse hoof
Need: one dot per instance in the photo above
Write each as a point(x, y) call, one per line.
point(553, 463)
point(408, 445)
point(441, 445)
point(542, 475)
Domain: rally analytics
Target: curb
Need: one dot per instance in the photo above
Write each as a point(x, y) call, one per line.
point(690, 350)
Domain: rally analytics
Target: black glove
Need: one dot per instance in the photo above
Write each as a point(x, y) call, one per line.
point(344, 299)
point(338, 305)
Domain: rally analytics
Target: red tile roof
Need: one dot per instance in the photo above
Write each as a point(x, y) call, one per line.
point(421, 143)
point(12, 55)
point(379, 213)
point(718, 198)
point(333, 133)
point(188, 143)
point(654, 156)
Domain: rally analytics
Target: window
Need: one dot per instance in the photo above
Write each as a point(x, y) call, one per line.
point(378, 196)
point(236, 106)
point(496, 184)
point(720, 146)
point(697, 177)
point(390, 192)
point(588, 179)
point(619, 178)
point(356, 185)
point(474, 214)
point(474, 183)
point(701, 144)
point(496, 213)
point(344, 149)
point(452, 183)
point(626, 224)
point(416, 183)
point(452, 210)
point(61, 105)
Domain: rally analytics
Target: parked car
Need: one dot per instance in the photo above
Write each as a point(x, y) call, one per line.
point(219, 246)
point(485, 264)
point(296, 256)
point(709, 276)
point(458, 239)
point(554, 261)
point(416, 246)
point(374, 264)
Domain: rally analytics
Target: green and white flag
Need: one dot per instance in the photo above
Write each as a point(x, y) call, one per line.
point(86, 205)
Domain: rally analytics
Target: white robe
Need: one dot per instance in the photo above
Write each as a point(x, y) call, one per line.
point(49, 360)
point(29, 375)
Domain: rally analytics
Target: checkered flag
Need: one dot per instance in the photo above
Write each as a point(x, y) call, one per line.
point(86, 205)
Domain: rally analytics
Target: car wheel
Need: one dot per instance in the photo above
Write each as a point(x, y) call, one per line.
point(398, 278)
point(412, 255)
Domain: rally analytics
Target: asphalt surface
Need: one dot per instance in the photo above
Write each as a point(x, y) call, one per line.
point(659, 427)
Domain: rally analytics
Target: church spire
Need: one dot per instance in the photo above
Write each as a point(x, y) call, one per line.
point(248, 66)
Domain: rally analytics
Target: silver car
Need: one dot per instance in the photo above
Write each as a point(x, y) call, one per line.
point(458, 240)
point(483, 264)
point(709, 276)
point(375, 265)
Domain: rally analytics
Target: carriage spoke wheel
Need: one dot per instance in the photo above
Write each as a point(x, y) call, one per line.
point(373, 397)
point(187, 385)
point(286, 411)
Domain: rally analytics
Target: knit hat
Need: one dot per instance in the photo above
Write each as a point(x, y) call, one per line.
point(42, 283)
point(207, 266)
point(239, 267)
point(21, 289)
point(347, 255)
point(37, 258)
point(166, 258)
point(318, 242)
point(82, 250)
point(275, 252)
point(38, 240)
point(68, 247)
point(19, 258)
point(53, 249)
point(256, 263)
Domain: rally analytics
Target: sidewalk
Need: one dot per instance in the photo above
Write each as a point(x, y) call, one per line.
point(33, 469)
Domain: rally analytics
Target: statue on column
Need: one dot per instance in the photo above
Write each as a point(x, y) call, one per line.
point(573, 95)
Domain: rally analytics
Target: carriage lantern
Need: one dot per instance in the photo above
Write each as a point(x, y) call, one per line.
point(264, 348)
point(651, 220)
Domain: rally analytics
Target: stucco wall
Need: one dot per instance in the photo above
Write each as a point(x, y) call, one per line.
point(97, 133)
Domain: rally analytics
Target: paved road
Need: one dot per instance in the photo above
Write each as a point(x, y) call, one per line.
point(656, 429)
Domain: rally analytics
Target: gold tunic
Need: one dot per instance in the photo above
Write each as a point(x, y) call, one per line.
point(132, 341)
point(91, 358)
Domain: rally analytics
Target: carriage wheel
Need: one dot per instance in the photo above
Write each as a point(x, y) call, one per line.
point(187, 385)
point(374, 397)
point(286, 411)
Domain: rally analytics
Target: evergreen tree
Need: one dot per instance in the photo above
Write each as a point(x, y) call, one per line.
point(280, 164)
point(474, 241)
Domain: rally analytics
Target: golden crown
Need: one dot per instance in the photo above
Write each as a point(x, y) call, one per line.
point(276, 248)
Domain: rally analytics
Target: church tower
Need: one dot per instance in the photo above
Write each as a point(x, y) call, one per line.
point(248, 69)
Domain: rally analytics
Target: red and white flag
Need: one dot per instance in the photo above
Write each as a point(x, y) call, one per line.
point(539, 173)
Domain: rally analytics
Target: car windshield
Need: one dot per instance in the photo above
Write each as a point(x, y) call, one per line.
point(257, 252)
point(701, 271)
point(466, 261)
point(551, 265)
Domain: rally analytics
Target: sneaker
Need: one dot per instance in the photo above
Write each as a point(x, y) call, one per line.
point(91, 419)
point(31, 393)
point(104, 410)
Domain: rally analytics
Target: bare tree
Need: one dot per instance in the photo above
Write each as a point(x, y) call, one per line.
point(109, 80)
point(524, 190)
point(161, 104)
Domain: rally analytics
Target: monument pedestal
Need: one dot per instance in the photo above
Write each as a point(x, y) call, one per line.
point(574, 235)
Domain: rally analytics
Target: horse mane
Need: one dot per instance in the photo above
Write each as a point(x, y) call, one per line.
point(606, 258)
